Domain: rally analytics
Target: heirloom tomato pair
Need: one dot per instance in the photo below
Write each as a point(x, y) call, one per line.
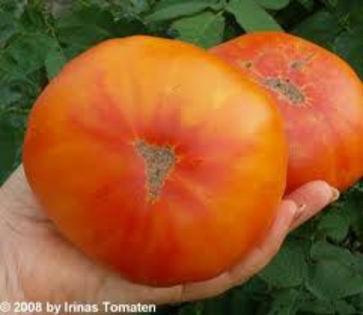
point(167, 164)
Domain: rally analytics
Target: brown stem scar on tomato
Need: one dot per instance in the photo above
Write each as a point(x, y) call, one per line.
point(158, 160)
point(286, 88)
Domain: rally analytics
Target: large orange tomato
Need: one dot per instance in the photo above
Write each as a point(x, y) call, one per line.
point(320, 97)
point(157, 159)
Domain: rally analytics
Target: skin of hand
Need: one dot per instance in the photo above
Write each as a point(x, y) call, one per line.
point(38, 264)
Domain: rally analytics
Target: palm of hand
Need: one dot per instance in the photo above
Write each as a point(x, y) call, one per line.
point(40, 265)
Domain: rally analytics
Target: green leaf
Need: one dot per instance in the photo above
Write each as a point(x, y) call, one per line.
point(33, 19)
point(134, 7)
point(273, 4)
point(283, 275)
point(357, 302)
point(168, 10)
point(307, 4)
point(353, 205)
point(140, 5)
point(217, 305)
point(335, 224)
point(286, 302)
point(349, 12)
point(8, 96)
point(205, 29)
point(344, 308)
point(323, 251)
point(321, 28)
point(86, 15)
point(239, 299)
point(27, 52)
point(252, 17)
point(349, 45)
point(11, 137)
point(331, 3)
point(86, 27)
point(8, 27)
point(318, 306)
point(191, 309)
point(359, 186)
point(83, 29)
point(331, 279)
point(54, 62)
point(15, 8)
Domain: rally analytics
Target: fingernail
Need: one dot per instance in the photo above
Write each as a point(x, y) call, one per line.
point(300, 209)
point(335, 194)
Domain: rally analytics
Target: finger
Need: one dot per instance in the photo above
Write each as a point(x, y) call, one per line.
point(313, 197)
point(17, 197)
point(205, 289)
point(250, 264)
point(118, 291)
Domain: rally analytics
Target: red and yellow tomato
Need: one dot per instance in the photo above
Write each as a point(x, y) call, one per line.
point(321, 100)
point(157, 159)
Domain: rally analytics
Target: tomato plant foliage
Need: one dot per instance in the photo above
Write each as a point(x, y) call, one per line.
point(320, 268)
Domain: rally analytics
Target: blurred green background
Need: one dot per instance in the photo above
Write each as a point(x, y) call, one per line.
point(320, 268)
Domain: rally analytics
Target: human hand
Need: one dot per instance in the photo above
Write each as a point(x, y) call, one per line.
point(38, 264)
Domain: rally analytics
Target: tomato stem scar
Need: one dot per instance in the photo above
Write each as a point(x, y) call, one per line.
point(159, 160)
point(286, 88)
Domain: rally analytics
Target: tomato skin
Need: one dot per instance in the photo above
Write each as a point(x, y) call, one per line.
point(84, 147)
point(325, 130)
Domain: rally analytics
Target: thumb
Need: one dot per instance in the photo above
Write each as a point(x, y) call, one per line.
point(312, 198)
